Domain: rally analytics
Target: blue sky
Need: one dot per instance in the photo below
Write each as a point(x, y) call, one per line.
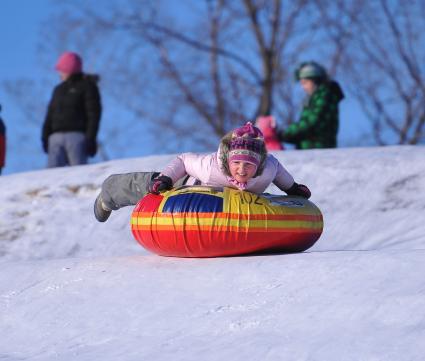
point(19, 27)
point(20, 22)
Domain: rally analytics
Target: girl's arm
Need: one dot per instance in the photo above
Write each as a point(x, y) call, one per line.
point(285, 182)
point(195, 165)
point(283, 179)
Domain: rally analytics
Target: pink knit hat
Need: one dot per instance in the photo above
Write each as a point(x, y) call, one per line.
point(69, 63)
point(246, 145)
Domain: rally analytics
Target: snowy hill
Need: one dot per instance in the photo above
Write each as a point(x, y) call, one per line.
point(75, 289)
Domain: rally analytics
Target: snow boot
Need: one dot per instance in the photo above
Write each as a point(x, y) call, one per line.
point(101, 212)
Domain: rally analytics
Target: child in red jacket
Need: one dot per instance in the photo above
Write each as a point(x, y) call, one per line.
point(2, 144)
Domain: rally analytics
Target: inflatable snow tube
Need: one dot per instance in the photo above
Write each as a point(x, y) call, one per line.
point(200, 221)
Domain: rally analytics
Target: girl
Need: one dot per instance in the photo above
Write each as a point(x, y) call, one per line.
point(241, 162)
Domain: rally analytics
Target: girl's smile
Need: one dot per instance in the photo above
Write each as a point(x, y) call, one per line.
point(242, 171)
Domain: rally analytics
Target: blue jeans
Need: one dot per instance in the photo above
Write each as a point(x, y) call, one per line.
point(67, 148)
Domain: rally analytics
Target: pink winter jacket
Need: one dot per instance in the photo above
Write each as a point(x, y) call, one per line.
point(208, 170)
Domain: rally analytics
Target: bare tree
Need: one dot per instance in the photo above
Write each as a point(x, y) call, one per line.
point(187, 70)
point(31, 106)
point(387, 71)
point(195, 69)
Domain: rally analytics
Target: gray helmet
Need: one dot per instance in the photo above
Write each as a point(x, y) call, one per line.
point(310, 70)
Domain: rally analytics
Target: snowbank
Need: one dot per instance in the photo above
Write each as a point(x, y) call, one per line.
point(75, 289)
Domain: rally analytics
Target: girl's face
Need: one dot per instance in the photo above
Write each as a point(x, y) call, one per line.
point(242, 171)
point(308, 85)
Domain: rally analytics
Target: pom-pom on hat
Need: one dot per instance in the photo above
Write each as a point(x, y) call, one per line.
point(246, 145)
point(69, 63)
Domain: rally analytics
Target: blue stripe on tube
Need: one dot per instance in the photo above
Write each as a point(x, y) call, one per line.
point(193, 202)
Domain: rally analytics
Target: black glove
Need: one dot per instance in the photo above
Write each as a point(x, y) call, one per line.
point(91, 147)
point(45, 145)
point(159, 184)
point(299, 190)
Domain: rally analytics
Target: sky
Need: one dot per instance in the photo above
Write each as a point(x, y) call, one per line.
point(20, 22)
point(72, 288)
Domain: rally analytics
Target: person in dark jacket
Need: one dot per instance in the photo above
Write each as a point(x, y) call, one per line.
point(69, 134)
point(319, 121)
point(2, 143)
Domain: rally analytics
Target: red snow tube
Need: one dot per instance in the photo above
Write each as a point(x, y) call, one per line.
point(211, 222)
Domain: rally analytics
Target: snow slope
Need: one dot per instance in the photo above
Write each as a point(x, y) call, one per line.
point(75, 289)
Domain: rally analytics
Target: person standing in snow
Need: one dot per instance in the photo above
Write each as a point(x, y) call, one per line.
point(241, 162)
point(319, 121)
point(2, 143)
point(69, 134)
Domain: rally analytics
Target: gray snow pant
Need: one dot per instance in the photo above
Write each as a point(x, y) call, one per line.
point(121, 190)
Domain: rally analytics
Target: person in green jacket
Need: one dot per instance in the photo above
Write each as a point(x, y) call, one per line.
point(319, 120)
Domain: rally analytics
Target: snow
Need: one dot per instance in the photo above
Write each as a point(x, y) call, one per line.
point(75, 289)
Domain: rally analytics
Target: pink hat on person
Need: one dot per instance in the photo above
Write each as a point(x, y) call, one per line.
point(246, 145)
point(69, 63)
point(267, 125)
